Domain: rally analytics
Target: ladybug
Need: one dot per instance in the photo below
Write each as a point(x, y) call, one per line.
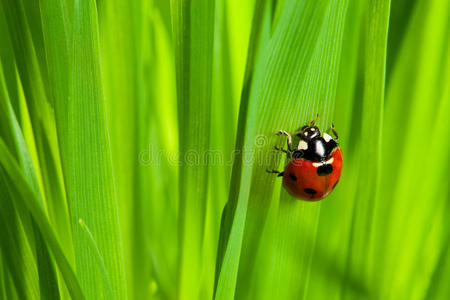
point(315, 165)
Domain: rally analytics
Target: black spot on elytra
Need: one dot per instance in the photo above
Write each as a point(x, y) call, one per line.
point(310, 191)
point(335, 184)
point(324, 170)
point(292, 176)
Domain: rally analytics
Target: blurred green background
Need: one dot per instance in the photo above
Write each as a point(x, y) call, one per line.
point(135, 135)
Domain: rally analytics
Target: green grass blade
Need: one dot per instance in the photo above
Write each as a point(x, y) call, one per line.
point(193, 33)
point(3, 275)
point(375, 46)
point(128, 48)
point(223, 119)
point(27, 202)
point(10, 129)
point(162, 215)
point(55, 24)
point(234, 214)
point(121, 27)
point(421, 74)
point(281, 101)
point(296, 221)
point(8, 61)
point(48, 283)
point(231, 207)
point(328, 264)
point(29, 62)
point(22, 268)
point(98, 259)
point(86, 156)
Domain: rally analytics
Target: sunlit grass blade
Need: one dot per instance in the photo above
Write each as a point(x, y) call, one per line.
point(296, 222)
point(375, 33)
point(56, 32)
point(438, 287)
point(223, 119)
point(99, 260)
point(274, 107)
point(86, 156)
point(163, 173)
point(281, 101)
point(138, 64)
point(121, 40)
point(327, 272)
point(229, 276)
point(421, 74)
point(193, 33)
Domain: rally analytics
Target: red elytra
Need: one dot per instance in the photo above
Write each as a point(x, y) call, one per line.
point(301, 178)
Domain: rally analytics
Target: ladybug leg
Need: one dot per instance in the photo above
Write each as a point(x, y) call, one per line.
point(282, 149)
point(289, 138)
point(280, 174)
point(336, 136)
point(334, 131)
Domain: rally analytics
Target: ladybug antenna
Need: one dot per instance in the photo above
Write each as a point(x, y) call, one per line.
point(313, 122)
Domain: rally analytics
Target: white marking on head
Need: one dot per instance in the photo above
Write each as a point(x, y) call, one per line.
point(302, 145)
point(305, 133)
point(313, 129)
point(327, 137)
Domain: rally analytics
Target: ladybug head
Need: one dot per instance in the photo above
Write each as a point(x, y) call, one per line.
point(307, 133)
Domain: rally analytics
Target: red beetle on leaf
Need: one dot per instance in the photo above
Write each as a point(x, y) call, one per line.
point(316, 163)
